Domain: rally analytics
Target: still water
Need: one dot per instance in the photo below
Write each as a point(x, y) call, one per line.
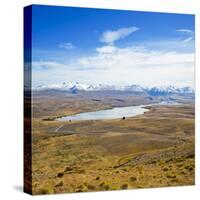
point(114, 113)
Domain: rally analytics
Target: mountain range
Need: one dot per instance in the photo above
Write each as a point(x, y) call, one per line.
point(75, 87)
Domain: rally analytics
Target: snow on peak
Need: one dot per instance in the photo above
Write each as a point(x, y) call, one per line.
point(165, 90)
point(75, 86)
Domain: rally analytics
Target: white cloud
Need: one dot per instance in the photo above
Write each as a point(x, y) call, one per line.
point(185, 30)
point(110, 36)
point(46, 65)
point(188, 39)
point(107, 49)
point(66, 45)
point(139, 65)
point(177, 45)
point(122, 66)
point(133, 58)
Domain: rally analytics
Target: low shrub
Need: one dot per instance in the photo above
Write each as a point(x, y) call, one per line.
point(60, 174)
point(124, 186)
point(46, 190)
point(60, 184)
point(165, 169)
point(132, 179)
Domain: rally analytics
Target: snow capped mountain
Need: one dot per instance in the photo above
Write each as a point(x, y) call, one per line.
point(167, 90)
point(157, 91)
point(74, 87)
point(187, 90)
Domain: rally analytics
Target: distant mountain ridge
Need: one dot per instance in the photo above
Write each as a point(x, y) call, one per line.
point(75, 87)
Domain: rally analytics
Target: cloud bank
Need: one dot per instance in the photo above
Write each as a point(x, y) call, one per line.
point(135, 64)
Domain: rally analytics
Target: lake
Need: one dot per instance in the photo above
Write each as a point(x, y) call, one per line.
point(114, 113)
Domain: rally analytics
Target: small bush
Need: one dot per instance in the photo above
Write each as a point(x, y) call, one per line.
point(60, 174)
point(124, 186)
point(169, 160)
point(169, 176)
point(165, 169)
point(80, 187)
point(97, 178)
point(91, 187)
point(81, 171)
point(68, 169)
point(190, 156)
point(102, 184)
point(190, 169)
point(60, 184)
point(46, 190)
point(132, 179)
point(79, 190)
point(106, 187)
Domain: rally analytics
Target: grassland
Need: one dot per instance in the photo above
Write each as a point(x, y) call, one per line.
point(152, 150)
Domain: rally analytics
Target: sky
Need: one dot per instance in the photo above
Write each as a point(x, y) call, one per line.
point(111, 47)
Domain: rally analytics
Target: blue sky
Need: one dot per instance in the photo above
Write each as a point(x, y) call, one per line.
point(111, 46)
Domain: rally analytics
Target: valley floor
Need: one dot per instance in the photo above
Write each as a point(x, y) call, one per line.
point(152, 150)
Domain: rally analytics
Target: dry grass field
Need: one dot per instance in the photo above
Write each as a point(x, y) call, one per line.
point(151, 150)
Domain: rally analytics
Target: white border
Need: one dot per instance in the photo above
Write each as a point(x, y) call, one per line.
point(11, 90)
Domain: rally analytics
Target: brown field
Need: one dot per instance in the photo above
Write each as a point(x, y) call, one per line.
point(152, 150)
